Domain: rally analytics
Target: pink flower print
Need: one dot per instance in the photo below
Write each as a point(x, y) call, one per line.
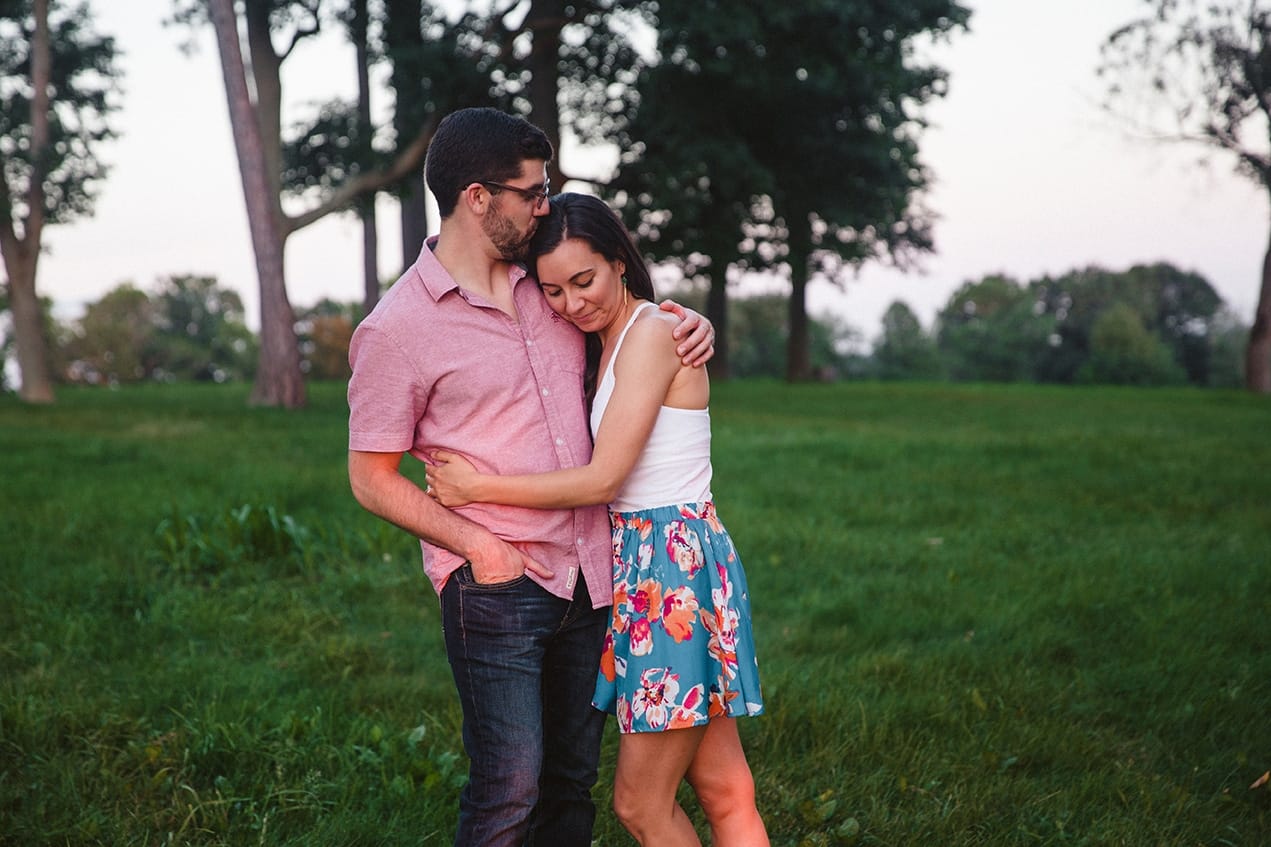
point(641, 634)
point(645, 554)
point(655, 697)
point(722, 625)
point(622, 710)
point(679, 613)
point(684, 548)
point(722, 596)
point(689, 712)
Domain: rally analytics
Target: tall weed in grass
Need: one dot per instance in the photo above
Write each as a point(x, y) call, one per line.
point(986, 616)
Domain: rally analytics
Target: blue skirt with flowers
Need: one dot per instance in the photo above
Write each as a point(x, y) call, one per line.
point(680, 648)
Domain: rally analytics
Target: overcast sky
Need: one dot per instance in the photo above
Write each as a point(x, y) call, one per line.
point(1031, 177)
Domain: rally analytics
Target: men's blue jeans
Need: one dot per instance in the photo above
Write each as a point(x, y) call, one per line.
point(525, 664)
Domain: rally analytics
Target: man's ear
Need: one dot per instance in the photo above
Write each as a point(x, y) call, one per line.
point(476, 197)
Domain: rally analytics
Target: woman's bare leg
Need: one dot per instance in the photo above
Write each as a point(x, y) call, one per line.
point(650, 767)
point(721, 778)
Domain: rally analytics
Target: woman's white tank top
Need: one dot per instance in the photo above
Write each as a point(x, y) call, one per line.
point(675, 465)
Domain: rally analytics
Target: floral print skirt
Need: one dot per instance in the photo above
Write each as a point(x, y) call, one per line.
point(680, 648)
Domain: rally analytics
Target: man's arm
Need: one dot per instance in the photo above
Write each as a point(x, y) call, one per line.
point(381, 489)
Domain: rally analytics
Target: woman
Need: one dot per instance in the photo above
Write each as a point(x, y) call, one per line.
point(679, 661)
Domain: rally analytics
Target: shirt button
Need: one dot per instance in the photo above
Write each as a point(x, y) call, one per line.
point(529, 342)
point(580, 542)
point(546, 392)
point(560, 442)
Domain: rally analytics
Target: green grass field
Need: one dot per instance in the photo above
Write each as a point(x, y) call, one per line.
point(987, 615)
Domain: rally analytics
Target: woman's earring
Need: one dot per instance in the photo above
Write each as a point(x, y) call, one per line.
point(624, 292)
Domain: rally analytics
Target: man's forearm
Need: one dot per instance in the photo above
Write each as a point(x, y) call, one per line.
point(384, 492)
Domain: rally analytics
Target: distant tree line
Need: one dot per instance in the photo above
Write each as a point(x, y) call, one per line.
point(188, 329)
point(1149, 325)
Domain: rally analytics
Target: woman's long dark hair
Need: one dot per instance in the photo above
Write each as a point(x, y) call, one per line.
point(587, 218)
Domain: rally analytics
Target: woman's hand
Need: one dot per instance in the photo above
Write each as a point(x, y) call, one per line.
point(451, 479)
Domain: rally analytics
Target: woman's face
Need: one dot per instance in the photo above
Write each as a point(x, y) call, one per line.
point(581, 285)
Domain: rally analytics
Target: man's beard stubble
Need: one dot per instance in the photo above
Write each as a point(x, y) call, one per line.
point(512, 244)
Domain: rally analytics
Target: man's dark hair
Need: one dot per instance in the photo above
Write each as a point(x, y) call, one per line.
point(475, 145)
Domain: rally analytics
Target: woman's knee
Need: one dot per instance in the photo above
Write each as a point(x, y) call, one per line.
point(630, 806)
point(722, 792)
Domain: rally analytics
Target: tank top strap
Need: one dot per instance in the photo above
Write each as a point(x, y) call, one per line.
point(621, 337)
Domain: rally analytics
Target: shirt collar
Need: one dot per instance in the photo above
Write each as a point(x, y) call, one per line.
point(438, 281)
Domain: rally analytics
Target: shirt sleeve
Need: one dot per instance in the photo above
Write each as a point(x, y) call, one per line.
point(387, 396)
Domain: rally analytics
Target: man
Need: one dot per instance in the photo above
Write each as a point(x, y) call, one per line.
point(464, 354)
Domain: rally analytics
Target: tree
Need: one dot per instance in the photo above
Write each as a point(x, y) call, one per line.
point(993, 329)
point(325, 332)
point(818, 105)
point(58, 82)
point(1175, 306)
point(201, 334)
point(695, 196)
point(256, 117)
point(905, 350)
point(1207, 67)
point(1124, 352)
point(114, 340)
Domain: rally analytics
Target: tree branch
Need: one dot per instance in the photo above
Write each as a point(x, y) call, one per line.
point(408, 160)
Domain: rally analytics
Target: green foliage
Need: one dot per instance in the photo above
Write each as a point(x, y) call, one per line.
point(993, 330)
point(114, 339)
point(1159, 323)
point(1123, 352)
point(905, 350)
point(190, 329)
point(1176, 307)
point(85, 84)
point(987, 615)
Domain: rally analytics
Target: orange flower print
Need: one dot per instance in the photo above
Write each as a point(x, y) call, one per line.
point(684, 548)
point(679, 613)
point(720, 698)
point(647, 599)
point(607, 667)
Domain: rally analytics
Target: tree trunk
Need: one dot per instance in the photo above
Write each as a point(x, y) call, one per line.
point(717, 310)
point(279, 381)
point(22, 254)
point(544, 23)
point(403, 37)
point(798, 363)
point(1258, 351)
point(366, 208)
point(28, 326)
point(414, 222)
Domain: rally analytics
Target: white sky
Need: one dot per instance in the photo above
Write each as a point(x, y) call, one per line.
point(1031, 176)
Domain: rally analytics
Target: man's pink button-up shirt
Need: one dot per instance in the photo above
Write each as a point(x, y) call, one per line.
point(438, 368)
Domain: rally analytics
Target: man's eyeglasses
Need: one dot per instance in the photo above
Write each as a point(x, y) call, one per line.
point(533, 195)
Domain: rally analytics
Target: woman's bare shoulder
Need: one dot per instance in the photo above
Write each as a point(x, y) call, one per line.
point(650, 335)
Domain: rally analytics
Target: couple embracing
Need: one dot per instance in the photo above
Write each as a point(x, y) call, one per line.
point(567, 523)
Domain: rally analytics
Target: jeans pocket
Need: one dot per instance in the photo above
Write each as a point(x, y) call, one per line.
point(468, 580)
